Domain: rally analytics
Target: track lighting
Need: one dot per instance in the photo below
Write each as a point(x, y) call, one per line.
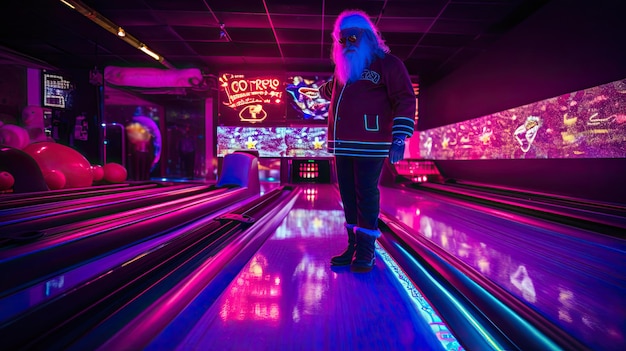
point(68, 4)
point(149, 52)
point(113, 28)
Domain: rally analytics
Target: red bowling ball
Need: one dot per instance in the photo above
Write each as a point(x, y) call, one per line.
point(6, 180)
point(114, 173)
point(56, 157)
point(98, 173)
point(55, 179)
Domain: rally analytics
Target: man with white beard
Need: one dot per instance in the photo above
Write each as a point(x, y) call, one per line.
point(371, 113)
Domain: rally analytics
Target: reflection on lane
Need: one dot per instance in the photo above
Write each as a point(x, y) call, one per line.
point(579, 285)
point(288, 296)
point(254, 294)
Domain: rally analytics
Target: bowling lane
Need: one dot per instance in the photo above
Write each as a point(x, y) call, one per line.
point(287, 297)
point(53, 283)
point(573, 277)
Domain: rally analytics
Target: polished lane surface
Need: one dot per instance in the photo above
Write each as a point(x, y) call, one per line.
point(287, 297)
point(573, 277)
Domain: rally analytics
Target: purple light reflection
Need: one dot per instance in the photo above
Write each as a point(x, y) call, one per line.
point(308, 223)
point(287, 297)
point(12, 305)
point(578, 285)
point(254, 294)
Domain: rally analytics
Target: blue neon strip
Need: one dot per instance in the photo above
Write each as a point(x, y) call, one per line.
point(438, 326)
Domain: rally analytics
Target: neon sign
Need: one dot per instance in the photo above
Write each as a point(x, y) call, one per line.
point(253, 99)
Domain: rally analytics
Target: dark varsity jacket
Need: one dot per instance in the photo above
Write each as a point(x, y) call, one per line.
point(364, 116)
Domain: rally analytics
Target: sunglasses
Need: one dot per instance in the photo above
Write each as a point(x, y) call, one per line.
point(351, 38)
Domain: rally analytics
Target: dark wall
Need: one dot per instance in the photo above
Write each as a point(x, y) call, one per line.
point(593, 179)
point(567, 45)
point(12, 93)
point(86, 103)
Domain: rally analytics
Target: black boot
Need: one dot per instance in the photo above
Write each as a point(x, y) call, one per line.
point(345, 258)
point(365, 250)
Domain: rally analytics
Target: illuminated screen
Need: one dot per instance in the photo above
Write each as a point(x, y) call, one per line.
point(304, 101)
point(270, 142)
point(250, 99)
point(306, 142)
point(57, 91)
point(589, 123)
point(273, 142)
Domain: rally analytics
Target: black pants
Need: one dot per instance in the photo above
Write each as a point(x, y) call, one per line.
point(358, 185)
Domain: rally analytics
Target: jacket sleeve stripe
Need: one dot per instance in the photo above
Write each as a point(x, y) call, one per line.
point(403, 126)
point(405, 120)
point(365, 143)
point(402, 129)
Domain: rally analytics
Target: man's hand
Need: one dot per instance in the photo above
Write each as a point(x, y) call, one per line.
point(396, 152)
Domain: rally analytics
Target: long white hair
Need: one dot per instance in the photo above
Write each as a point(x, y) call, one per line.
point(350, 65)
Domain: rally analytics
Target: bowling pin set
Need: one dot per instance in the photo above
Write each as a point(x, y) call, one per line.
point(308, 171)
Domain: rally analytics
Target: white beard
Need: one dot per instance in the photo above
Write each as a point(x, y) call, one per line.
point(351, 63)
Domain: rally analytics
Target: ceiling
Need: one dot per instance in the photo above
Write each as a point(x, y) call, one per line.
point(432, 37)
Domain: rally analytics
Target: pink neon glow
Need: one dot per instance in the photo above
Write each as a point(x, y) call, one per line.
point(152, 77)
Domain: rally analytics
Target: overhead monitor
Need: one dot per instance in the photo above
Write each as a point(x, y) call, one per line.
point(304, 103)
point(58, 91)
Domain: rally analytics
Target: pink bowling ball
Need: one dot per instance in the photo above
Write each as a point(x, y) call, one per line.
point(56, 157)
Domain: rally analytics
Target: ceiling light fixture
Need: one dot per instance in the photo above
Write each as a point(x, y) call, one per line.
point(114, 28)
point(68, 4)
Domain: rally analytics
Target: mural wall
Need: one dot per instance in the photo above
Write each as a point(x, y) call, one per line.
point(589, 123)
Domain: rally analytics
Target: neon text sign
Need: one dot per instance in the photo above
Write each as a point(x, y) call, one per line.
point(241, 91)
